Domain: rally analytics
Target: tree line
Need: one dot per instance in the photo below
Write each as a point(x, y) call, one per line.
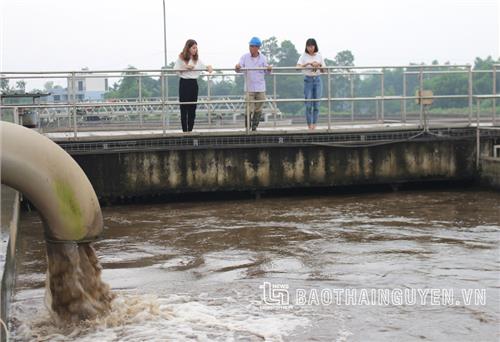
point(285, 54)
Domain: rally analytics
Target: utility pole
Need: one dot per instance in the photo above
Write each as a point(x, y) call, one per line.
point(165, 79)
point(165, 33)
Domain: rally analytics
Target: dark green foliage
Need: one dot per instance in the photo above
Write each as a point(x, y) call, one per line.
point(128, 86)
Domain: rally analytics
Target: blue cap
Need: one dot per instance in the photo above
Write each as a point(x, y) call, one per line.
point(255, 41)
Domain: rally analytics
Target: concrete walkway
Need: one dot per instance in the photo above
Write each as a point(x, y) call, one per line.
point(8, 234)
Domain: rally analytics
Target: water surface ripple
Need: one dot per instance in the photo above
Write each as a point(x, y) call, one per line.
point(194, 271)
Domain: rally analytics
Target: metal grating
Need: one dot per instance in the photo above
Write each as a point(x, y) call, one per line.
point(269, 140)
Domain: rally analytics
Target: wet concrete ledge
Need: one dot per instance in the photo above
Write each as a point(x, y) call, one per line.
point(255, 167)
point(8, 235)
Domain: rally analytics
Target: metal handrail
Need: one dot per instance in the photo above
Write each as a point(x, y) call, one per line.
point(323, 99)
point(223, 69)
point(166, 103)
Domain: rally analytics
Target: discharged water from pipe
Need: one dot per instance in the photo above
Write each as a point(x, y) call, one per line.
point(75, 291)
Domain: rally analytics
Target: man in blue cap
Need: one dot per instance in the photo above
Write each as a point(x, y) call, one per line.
point(255, 84)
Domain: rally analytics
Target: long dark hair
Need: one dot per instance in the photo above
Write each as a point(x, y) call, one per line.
point(184, 55)
point(311, 41)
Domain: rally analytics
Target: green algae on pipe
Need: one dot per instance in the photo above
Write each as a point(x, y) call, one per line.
point(52, 180)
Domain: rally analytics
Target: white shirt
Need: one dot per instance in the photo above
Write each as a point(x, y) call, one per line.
point(307, 58)
point(199, 66)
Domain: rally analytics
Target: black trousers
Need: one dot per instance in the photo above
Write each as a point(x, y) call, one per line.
point(188, 92)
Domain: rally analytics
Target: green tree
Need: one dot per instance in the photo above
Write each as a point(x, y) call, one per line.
point(21, 85)
point(448, 84)
point(341, 82)
point(287, 54)
point(483, 82)
point(128, 86)
point(344, 58)
point(271, 50)
point(224, 87)
point(4, 85)
point(284, 55)
point(173, 83)
point(290, 86)
point(48, 86)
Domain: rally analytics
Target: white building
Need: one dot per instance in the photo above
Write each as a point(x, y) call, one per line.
point(87, 88)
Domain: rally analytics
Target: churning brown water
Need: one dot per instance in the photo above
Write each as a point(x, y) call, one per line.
point(75, 290)
point(263, 270)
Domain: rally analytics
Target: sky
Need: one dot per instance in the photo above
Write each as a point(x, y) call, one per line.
point(61, 35)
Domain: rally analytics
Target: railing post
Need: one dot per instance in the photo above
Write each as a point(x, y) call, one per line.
point(382, 95)
point(470, 93)
point(478, 135)
point(352, 95)
point(166, 98)
point(16, 116)
point(247, 105)
point(420, 93)
point(73, 100)
point(494, 94)
point(140, 99)
point(163, 105)
point(208, 100)
point(403, 114)
point(275, 106)
point(478, 113)
point(329, 99)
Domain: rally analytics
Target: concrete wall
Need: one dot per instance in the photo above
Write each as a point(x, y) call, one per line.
point(8, 235)
point(490, 172)
point(116, 175)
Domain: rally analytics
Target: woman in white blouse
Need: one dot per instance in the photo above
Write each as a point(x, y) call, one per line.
point(189, 67)
point(312, 62)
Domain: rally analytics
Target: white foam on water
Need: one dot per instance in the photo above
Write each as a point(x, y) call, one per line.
point(173, 317)
point(177, 262)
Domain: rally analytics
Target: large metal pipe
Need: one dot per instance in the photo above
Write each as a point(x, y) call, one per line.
point(53, 182)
